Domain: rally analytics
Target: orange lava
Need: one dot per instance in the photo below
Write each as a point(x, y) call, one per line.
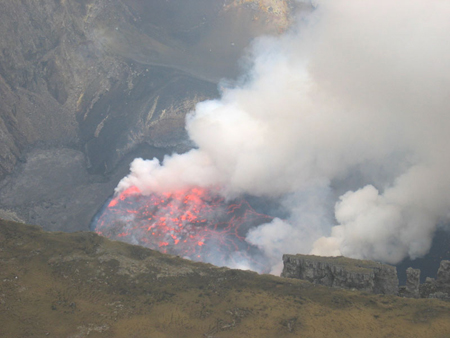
point(195, 223)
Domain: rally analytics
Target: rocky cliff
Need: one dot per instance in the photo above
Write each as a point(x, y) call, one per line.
point(86, 85)
point(369, 276)
point(72, 71)
point(341, 272)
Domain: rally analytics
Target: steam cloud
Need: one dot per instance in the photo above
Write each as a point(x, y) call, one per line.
point(350, 109)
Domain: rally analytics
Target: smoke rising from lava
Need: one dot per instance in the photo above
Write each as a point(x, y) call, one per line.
point(350, 109)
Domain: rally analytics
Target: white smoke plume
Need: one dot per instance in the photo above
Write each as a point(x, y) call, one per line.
point(349, 108)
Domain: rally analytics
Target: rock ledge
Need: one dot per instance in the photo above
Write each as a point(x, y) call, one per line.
point(342, 272)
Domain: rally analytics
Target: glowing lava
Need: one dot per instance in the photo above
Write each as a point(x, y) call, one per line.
point(194, 223)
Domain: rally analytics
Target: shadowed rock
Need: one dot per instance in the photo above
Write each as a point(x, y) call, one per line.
point(412, 282)
point(443, 274)
point(88, 85)
point(59, 58)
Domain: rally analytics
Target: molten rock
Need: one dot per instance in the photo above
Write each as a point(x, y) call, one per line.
point(192, 223)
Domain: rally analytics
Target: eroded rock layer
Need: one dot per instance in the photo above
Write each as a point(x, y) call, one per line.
point(87, 85)
point(71, 71)
point(341, 272)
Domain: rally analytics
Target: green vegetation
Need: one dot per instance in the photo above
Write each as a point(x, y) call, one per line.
point(82, 285)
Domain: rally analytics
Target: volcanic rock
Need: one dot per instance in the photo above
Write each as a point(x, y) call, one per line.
point(443, 274)
point(412, 283)
point(108, 81)
point(443, 281)
point(341, 272)
point(427, 288)
point(439, 287)
point(59, 59)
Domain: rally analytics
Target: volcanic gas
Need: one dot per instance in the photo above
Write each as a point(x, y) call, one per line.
point(194, 223)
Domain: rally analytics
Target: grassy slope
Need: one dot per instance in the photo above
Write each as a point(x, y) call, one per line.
point(79, 285)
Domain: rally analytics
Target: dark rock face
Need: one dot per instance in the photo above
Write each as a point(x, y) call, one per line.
point(86, 86)
point(341, 272)
point(55, 72)
point(53, 187)
point(443, 274)
point(62, 61)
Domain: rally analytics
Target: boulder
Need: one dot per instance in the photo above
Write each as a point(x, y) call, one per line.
point(428, 288)
point(412, 283)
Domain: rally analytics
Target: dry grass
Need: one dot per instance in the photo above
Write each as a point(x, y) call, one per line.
point(82, 285)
